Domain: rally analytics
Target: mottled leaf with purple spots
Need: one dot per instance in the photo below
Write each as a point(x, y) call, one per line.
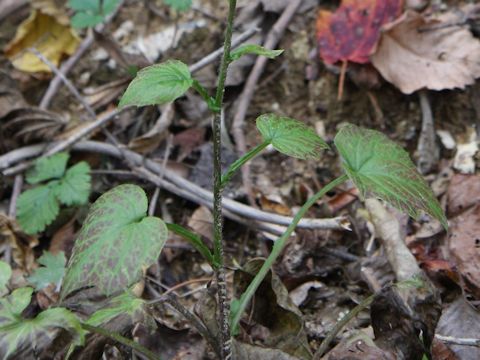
point(116, 242)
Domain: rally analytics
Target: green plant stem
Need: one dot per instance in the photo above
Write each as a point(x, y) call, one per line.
point(240, 162)
point(277, 249)
point(223, 302)
point(195, 241)
point(212, 105)
point(340, 324)
point(122, 340)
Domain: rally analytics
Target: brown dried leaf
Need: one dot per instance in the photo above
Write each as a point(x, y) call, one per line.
point(274, 310)
point(201, 222)
point(464, 246)
point(460, 320)
point(415, 53)
point(21, 243)
point(463, 192)
point(48, 35)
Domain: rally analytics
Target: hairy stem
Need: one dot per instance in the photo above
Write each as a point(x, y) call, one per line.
point(122, 340)
point(217, 190)
point(276, 251)
point(240, 162)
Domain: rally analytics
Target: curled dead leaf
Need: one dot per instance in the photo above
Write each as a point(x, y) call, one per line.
point(22, 244)
point(464, 246)
point(415, 52)
point(45, 33)
point(354, 29)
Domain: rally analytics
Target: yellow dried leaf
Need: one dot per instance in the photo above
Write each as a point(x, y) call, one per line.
point(48, 36)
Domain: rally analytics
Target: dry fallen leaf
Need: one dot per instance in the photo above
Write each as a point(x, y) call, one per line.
point(415, 53)
point(201, 222)
point(22, 244)
point(46, 34)
point(353, 30)
point(463, 192)
point(464, 245)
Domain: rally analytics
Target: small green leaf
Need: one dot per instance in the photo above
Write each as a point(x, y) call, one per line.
point(254, 49)
point(82, 20)
point(91, 12)
point(52, 167)
point(290, 137)
point(52, 271)
point(195, 241)
point(179, 5)
point(37, 208)
point(25, 337)
point(124, 304)
point(380, 167)
point(158, 84)
point(74, 187)
point(116, 242)
point(5, 275)
point(84, 5)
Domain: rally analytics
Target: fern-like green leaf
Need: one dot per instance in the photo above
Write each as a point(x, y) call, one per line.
point(248, 49)
point(158, 84)
point(74, 187)
point(37, 207)
point(116, 242)
point(52, 167)
point(290, 137)
point(380, 167)
point(51, 272)
point(21, 338)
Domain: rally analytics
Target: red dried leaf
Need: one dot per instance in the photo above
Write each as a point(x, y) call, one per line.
point(352, 32)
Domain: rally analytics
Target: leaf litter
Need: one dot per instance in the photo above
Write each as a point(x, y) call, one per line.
point(324, 285)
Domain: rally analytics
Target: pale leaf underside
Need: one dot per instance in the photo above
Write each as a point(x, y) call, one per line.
point(380, 167)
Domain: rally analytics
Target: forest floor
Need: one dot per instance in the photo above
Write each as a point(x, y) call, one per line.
point(323, 273)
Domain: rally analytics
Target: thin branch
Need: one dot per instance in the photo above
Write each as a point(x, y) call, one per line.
point(122, 340)
point(177, 185)
point(458, 341)
point(271, 41)
point(340, 325)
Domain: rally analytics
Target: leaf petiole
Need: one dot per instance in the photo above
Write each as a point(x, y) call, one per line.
point(240, 305)
point(240, 162)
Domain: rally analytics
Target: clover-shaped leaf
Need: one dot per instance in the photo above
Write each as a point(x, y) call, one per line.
point(158, 84)
point(116, 242)
point(51, 272)
point(380, 167)
point(290, 137)
point(52, 167)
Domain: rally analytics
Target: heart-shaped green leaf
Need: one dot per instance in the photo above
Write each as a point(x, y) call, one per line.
point(22, 336)
point(380, 167)
point(291, 137)
point(248, 49)
point(158, 84)
point(116, 242)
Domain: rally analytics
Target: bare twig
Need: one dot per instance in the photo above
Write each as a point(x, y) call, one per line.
point(458, 341)
point(428, 152)
point(72, 60)
point(17, 189)
point(67, 82)
point(340, 325)
point(271, 41)
point(177, 185)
